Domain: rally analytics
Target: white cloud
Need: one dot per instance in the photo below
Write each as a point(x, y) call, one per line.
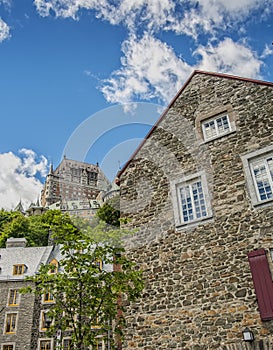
point(4, 30)
point(18, 177)
point(210, 16)
point(229, 57)
point(150, 68)
point(189, 17)
point(268, 51)
point(68, 8)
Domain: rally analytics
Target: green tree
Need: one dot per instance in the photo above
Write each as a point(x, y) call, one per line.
point(87, 293)
point(34, 228)
point(110, 212)
point(7, 216)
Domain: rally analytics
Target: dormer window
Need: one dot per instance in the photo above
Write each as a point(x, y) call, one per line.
point(19, 269)
point(54, 266)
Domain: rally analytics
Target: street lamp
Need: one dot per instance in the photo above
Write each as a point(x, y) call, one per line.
point(248, 335)
point(47, 320)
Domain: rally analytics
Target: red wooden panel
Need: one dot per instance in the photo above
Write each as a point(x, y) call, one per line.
point(262, 282)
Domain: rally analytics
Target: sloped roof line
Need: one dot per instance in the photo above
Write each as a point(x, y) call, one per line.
point(195, 72)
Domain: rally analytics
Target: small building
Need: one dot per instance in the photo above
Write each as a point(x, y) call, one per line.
point(23, 317)
point(20, 313)
point(199, 192)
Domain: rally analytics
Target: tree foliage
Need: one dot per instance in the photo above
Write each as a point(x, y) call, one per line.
point(109, 212)
point(87, 294)
point(34, 228)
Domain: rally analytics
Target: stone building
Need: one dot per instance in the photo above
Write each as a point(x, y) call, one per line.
point(73, 181)
point(199, 190)
point(23, 317)
point(19, 313)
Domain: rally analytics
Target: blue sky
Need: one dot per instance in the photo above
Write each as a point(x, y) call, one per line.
point(87, 77)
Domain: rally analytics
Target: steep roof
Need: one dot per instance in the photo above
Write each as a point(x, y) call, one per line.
point(196, 72)
point(31, 257)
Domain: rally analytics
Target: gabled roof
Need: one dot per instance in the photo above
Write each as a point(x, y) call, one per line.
point(196, 72)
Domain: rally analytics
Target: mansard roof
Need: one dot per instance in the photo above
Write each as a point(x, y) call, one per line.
point(31, 257)
point(195, 72)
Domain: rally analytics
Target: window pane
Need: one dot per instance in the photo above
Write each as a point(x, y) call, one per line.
point(48, 297)
point(192, 200)
point(66, 344)
point(8, 347)
point(186, 203)
point(10, 323)
point(210, 129)
point(19, 269)
point(270, 166)
point(262, 178)
point(45, 345)
point(223, 124)
point(13, 297)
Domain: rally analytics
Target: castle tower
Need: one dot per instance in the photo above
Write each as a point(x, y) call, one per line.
point(73, 180)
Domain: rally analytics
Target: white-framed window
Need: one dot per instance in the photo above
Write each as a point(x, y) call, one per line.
point(216, 127)
point(258, 167)
point(190, 199)
point(45, 344)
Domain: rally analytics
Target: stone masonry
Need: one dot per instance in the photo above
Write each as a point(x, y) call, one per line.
point(199, 291)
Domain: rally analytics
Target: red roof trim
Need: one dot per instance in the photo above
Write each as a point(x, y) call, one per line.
point(219, 75)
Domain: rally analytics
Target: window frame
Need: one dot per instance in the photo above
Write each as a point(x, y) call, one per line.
point(216, 127)
point(45, 340)
point(47, 300)
point(251, 183)
point(42, 327)
point(99, 342)
point(15, 298)
point(63, 341)
point(55, 266)
point(15, 314)
point(20, 272)
point(176, 185)
point(7, 344)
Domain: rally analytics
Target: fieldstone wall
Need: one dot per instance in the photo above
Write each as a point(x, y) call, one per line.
point(199, 292)
point(23, 335)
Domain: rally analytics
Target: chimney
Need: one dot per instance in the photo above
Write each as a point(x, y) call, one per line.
point(16, 242)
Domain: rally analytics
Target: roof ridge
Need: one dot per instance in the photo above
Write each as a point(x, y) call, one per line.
point(195, 72)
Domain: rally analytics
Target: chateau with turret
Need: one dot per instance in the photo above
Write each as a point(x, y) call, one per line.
point(73, 180)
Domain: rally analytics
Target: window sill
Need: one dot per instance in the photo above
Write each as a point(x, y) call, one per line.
point(219, 136)
point(263, 204)
point(194, 223)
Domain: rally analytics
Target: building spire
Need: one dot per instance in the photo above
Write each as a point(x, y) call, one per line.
point(19, 207)
point(51, 169)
